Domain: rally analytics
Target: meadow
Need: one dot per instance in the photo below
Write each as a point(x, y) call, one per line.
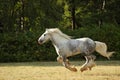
point(104, 70)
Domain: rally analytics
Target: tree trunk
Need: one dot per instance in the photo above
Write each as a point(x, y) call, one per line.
point(22, 16)
point(1, 27)
point(102, 8)
point(73, 14)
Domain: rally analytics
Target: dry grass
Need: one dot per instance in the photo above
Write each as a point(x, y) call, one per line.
point(105, 70)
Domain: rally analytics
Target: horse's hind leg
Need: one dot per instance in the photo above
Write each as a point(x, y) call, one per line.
point(84, 66)
point(89, 63)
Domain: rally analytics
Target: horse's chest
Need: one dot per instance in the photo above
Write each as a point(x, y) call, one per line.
point(61, 49)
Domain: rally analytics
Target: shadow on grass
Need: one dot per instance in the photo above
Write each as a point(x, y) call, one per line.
point(50, 64)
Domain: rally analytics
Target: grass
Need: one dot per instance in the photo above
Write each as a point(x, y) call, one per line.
point(105, 70)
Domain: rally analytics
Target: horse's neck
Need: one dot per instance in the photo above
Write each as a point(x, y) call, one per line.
point(58, 40)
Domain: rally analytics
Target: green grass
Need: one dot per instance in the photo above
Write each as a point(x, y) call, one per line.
point(105, 70)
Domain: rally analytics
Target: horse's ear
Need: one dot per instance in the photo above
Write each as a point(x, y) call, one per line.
point(46, 29)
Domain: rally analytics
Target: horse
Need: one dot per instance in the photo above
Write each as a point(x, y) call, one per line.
point(65, 47)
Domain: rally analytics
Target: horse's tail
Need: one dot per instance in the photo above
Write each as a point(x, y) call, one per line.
point(102, 49)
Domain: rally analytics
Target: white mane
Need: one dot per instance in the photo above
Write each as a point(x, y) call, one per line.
point(56, 30)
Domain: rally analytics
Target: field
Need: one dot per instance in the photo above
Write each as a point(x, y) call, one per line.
point(105, 70)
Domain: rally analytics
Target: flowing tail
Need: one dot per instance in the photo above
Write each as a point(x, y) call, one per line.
point(102, 49)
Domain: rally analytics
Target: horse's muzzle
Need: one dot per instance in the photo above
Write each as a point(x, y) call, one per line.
point(40, 41)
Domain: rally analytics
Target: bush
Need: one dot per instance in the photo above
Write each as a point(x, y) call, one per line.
point(24, 47)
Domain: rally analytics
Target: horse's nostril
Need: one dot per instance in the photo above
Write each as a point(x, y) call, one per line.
point(40, 41)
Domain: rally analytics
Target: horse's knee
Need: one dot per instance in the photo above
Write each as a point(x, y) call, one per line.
point(83, 69)
point(93, 57)
point(60, 59)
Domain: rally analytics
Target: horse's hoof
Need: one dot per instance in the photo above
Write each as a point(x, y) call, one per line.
point(74, 69)
point(83, 69)
point(90, 67)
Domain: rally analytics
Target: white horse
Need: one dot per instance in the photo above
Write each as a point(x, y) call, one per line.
point(65, 47)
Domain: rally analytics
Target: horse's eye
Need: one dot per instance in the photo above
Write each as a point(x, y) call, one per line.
point(44, 34)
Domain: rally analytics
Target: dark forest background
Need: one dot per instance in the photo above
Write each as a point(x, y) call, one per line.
point(23, 21)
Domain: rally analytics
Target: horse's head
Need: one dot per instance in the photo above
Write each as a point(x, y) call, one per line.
point(44, 37)
point(50, 33)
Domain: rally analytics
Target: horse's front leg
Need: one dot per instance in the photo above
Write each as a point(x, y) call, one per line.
point(60, 60)
point(66, 63)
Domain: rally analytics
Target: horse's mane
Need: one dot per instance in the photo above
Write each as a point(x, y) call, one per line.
point(58, 31)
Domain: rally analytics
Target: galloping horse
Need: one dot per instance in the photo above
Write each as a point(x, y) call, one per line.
point(66, 46)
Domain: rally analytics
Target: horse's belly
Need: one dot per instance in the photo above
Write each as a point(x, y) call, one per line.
point(76, 52)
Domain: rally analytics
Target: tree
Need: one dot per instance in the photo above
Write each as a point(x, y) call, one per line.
point(69, 15)
point(72, 12)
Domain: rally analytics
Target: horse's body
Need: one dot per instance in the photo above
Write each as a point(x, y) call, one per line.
point(75, 46)
point(65, 47)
